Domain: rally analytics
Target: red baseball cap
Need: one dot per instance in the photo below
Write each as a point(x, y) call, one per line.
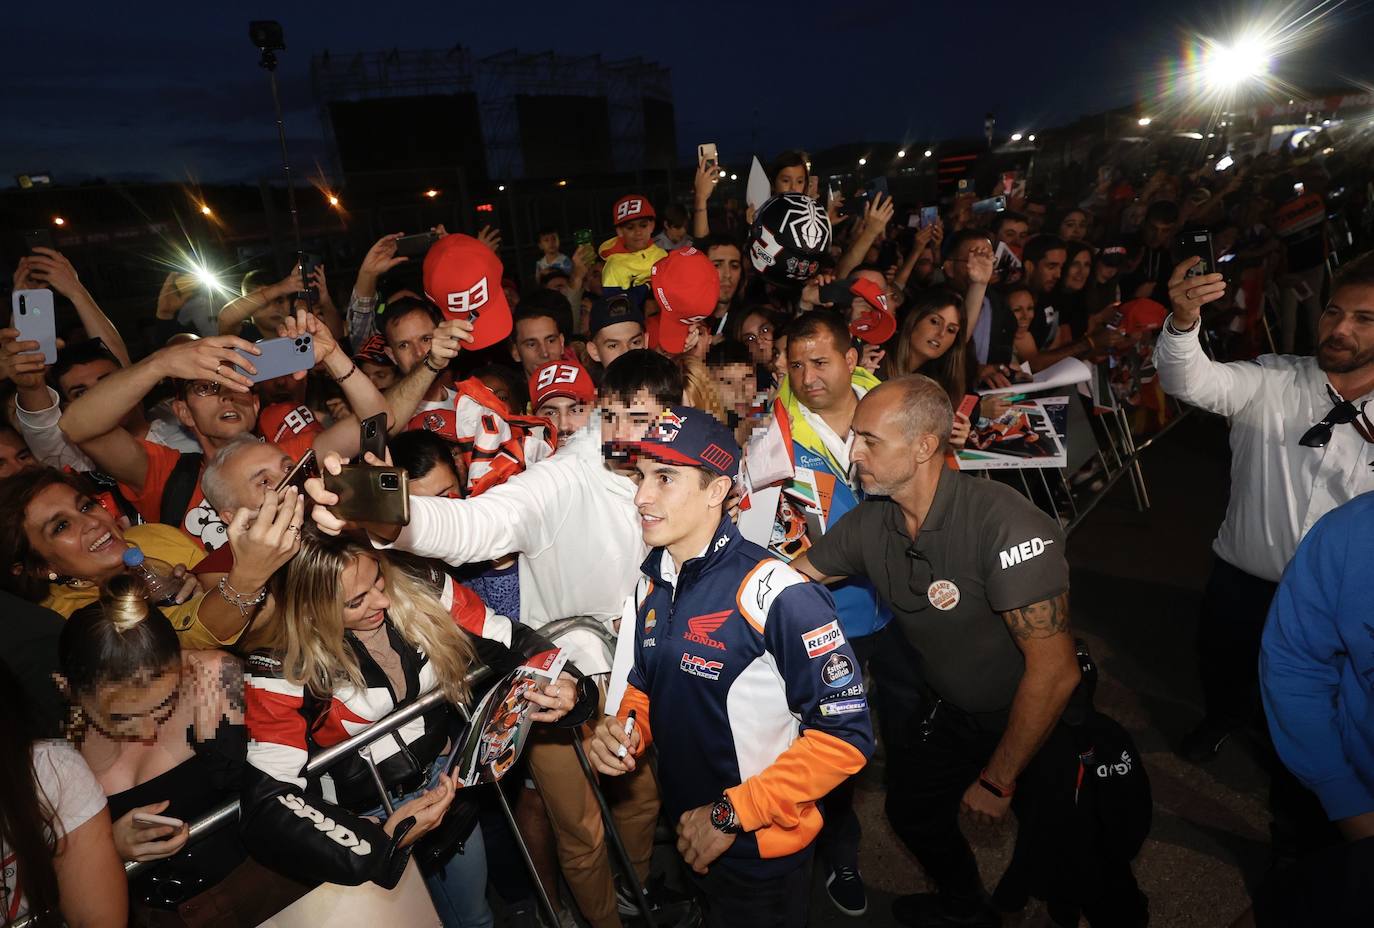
point(1142, 315)
point(280, 420)
point(634, 206)
point(561, 378)
point(878, 324)
point(463, 278)
point(686, 286)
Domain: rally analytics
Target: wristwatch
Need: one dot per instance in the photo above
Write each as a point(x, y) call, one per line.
point(723, 817)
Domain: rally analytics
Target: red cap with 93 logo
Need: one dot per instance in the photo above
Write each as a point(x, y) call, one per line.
point(686, 286)
point(561, 378)
point(463, 279)
point(634, 206)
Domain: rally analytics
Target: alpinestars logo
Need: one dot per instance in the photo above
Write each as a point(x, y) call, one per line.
point(807, 223)
point(471, 299)
point(701, 667)
point(332, 829)
point(699, 628)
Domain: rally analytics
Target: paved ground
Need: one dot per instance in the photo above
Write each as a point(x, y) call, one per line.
point(1137, 581)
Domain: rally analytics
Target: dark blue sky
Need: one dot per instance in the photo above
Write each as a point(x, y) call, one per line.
point(164, 91)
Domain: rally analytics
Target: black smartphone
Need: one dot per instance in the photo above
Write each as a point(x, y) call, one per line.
point(372, 437)
point(370, 494)
point(309, 265)
point(39, 238)
point(1198, 244)
point(303, 470)
point(415, 246)
point(991, 205)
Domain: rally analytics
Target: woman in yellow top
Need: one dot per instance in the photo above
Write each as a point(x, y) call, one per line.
point(58, 545)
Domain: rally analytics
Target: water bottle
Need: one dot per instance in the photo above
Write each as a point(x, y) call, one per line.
point(162, 590)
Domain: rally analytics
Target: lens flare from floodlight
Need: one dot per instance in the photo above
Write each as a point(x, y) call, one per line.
point(207, 278)
point(1227, 67)
point(205, 210)
point(58, 221)
point(431, 193)
point(1016, 136)
point(333, 200)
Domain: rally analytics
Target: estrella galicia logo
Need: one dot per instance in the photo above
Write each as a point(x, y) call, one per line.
point(701, 667)
point(837, 671)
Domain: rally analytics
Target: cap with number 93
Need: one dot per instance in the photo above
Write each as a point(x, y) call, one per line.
point(561, 378)
point(463, 278)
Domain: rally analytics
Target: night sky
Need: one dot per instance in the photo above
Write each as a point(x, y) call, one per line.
point(171, 92)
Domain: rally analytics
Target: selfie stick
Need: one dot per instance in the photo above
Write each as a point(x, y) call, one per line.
point(268, 61)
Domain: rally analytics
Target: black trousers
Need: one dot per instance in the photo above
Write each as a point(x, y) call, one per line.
point(731, 899)
point(1234, 607)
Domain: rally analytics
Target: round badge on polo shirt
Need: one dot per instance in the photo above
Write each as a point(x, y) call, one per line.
point(943, 594)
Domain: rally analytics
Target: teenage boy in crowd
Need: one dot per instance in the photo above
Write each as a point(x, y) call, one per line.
point(563, 393)
point(572, 520)
point(615, 326)
point(215, 402)
point(1299, 448)
point(724, 253)
point(741, 675)
point(538, 334)
point(979, 662)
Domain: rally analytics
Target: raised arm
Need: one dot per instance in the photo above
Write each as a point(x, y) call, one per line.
point(237, 311)
point(406, 395)
point(48, 267)
point(703, 185)
point(362, 395)
point(877, 214)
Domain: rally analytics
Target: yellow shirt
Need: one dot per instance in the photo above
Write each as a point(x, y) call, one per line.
point(171, 546)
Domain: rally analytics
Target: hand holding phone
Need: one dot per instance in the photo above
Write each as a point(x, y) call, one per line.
point(706, 155)
point(34, 315)
point(280, 356)
point(370, 494)
point(372, 436)
point(148, 820)
point(303, 470)
point(415, 246)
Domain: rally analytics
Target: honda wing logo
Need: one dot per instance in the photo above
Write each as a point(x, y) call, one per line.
point(471, 299)
point(699, 628)
point(332, 829)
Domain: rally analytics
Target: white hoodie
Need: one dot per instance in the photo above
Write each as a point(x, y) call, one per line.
point(572, 521)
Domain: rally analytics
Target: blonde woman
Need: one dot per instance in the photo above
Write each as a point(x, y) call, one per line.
point(360, 636)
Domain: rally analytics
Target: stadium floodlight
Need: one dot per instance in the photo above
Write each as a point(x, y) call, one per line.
point(1228, 67)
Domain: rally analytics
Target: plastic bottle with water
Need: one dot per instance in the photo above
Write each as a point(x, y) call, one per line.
point(162, 590)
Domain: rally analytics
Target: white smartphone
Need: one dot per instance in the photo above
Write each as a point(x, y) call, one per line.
point(706, 154)
point(36, 319)
point(148, 820)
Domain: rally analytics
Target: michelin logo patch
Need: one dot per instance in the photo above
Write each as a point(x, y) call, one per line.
point(844, 707)
point(823, 640)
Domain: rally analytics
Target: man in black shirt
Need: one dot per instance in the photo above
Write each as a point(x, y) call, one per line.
point(977, 581)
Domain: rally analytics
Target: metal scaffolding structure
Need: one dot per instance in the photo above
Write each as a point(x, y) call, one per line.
point(497, 81)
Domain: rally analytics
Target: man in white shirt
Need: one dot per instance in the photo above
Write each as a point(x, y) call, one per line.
point(1301, 445)
point(572, 519)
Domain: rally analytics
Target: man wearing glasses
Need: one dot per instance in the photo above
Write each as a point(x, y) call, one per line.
point(215, 402)
point(1300, 447)
point(979, 662)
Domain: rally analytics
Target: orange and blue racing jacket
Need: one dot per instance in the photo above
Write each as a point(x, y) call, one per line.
point(743, 671)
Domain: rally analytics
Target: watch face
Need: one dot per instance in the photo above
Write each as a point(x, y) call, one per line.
point(721, 815)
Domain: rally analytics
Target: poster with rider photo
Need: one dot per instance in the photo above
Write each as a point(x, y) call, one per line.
point(500, 722)
point(1028, 434)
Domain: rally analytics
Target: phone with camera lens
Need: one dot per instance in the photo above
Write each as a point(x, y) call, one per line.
point(33, 314)
point(309, 265)
point(370, 494)
point(39, 238)
point(280, 357)
point(372, 437)
point(415, 246)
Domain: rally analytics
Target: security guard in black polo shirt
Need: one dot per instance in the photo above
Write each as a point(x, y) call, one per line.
point(981, 662)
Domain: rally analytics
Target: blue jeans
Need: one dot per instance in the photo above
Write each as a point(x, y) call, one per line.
point(459, 890)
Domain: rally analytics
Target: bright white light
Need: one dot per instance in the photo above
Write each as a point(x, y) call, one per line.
point(1143, 121)
point(1031, 137)
point(863, 161)
point(734, 177)
point(205, 210)
point(431, 193)
point(901, 153)
point(500, 187)
point(1225, 162)
point(333, 200)
point(1211, 135)
point(929, 152)
point(58, 221)
point(1016, 136)
point(1196, 136)
point(1226, 67)
point(207, 278)
point(1326, 122)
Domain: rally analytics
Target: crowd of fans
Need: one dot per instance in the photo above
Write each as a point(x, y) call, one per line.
point(603, 445)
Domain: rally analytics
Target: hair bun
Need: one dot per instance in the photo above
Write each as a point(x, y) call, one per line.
point(125, 600)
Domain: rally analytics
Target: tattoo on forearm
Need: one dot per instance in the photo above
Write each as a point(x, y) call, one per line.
point(1040, 620)
point(231, 685)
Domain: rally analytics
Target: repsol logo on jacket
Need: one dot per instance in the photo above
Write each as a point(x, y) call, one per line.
point(332, 829)
point(1019, 554)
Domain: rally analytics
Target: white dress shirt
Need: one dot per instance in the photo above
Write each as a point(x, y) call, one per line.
point(1279, 489)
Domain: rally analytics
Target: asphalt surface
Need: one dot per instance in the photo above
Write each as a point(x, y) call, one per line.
point(1137, 580)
